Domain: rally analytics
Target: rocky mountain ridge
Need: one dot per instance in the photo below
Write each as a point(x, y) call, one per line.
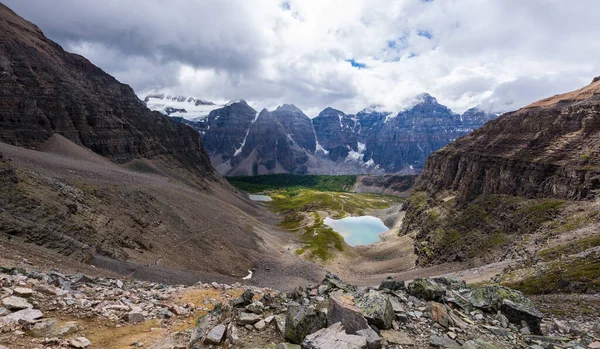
point(286, 140)
point(47, 90)
point(523, 188)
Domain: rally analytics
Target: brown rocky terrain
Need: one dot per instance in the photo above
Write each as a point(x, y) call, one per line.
point(89, 173)
point(523, 188)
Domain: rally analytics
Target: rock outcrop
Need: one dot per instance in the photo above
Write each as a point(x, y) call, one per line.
point(47, 90)
point(547, 149)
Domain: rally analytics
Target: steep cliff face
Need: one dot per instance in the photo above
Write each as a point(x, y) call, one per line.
point(336, 133)
point(547, 149)
point(225, 129)
point(47, 90)
point(277, 141)
point(525, 181)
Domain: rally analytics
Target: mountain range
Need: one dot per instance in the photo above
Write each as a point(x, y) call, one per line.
point(242, 141)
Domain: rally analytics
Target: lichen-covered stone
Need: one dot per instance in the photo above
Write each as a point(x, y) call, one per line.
point(426, 289)
point(376, 308)
point(301, 321)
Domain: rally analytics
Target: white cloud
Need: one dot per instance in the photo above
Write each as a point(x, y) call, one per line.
point(501, 54)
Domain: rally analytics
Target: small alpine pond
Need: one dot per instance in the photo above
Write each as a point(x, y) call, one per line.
point(255, 197)
point(363, 230)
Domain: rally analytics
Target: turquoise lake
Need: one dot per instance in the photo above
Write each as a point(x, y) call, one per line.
point(255, 197)
point(356, 231)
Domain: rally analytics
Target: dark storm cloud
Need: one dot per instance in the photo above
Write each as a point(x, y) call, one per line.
point(208, 33)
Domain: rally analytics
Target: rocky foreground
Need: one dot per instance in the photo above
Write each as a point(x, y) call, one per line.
point(52, 310)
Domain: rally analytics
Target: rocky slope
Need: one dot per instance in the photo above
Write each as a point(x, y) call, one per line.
point(369, 142)
point(46, 90)
point(77, 311)
point(524, 187)
point(547, 149)
point(92, 175)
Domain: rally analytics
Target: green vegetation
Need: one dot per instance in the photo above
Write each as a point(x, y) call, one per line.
point(303, 208)
point(256, 184)
point(480, 230)
point(570, 276)
point(572, 247)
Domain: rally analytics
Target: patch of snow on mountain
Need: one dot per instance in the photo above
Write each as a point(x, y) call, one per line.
point(319, 147)
point(185, 107)
point(238, 151)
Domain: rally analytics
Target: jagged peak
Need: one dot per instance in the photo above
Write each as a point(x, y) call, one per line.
point(239, 101)
point(425, 98)
point(288, 107)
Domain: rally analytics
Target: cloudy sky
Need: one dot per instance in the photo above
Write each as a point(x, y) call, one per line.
point(349, 54)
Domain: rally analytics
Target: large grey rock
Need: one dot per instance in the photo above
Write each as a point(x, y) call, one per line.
point(334, 337)
point(25, 315)
point(23, 292)
point(373, 339)
point(248, 319)
point(426, 289)
point(442, 342)
point(376, 308)
point(216, 335)
point(79, 342)
point(16, 303)
point(512, 303)
point(135, 316)
point(333, 282)
point(517, 312)
point(203, 325)
point(392, 285)
point(244, 300)
point(343, 309)
point(300, 321)
point(256, 307)
point(44, 328)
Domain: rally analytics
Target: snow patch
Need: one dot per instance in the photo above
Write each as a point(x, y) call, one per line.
point(320, 148)
point(249, 276)
point(192, 111)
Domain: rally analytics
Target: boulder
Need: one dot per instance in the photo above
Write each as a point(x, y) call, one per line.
point(135, 316)
point(261, 325)
point(248, 319)
point(376, 308)
point(244, 300)
point(79, 342)
point(256, 307)
point(300, 321)
point(426, 289)
point(517, 312)
point(43, 328)
point(512, 303)
point(25, 315)
point(23, 292)
point(343, 309)
point(373, 339)
point(203, 325)
point(215, 335)
point(333, 337)
point(397, 337)
point(332, 281)
point(392, 285)
point(442, 342)
point(16, 303)
point(451, 283)
point(439, 314)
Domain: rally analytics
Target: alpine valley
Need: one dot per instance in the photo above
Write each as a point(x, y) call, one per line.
point(241, 141)
point(375, 230)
